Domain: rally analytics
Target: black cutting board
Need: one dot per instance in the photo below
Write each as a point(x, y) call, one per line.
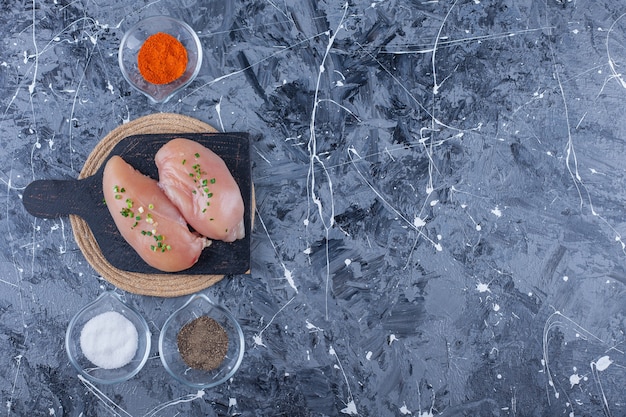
point(84, 198)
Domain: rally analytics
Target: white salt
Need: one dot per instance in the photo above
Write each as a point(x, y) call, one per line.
point(109, 340)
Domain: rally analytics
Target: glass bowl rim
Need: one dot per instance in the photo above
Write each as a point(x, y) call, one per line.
point(143, 333)
point(198, 49)
point(229, 316)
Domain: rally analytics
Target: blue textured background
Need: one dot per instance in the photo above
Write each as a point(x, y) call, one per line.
point(440, 200)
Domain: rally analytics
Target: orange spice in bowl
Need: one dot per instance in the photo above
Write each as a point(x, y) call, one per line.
point(162, 59)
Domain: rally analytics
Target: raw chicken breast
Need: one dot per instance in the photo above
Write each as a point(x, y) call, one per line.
point(199, 183)
point(148, 220)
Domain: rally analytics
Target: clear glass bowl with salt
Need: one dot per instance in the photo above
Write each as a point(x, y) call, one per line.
point(107, 341)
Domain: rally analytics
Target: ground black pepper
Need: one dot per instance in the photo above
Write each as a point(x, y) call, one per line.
point(203, 343)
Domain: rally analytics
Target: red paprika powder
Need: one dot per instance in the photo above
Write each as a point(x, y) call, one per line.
point(162, 59)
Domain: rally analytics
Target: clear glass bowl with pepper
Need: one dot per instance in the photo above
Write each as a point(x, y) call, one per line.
point(159, 56)
point(201, 344)
point(107, 341)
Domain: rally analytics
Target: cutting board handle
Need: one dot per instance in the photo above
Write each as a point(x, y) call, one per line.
point(58, 198)
point(84, 198)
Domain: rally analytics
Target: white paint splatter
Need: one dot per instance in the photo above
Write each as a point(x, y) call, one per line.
point(347, 262)
point(602, 364)
point(404, 410)
point(106, 401)
point(496, 307)
point(392, 338)
point(258, 340)
point(289, 278)
point(574, 379)
point(313, 327)
point(368, 355)
point(496, 212)
point(419, 222)
point(353, 153)
point(350, 409)
point(482, 287)
point(184, 399)
point(218, 110)
point(232, 402)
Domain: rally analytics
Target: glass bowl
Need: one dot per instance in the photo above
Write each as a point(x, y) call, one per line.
point(131, 44)
point(106, 303)
point(199, 305)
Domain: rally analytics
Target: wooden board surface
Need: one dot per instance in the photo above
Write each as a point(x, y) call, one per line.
point(84, 197)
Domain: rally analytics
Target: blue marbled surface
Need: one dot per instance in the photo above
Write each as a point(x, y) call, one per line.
point(441, 198)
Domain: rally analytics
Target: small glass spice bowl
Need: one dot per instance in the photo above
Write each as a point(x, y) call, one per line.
point(199, 305)
point(107, 302)
point(131, 44)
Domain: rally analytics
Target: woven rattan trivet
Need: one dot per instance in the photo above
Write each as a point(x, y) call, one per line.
point(160, 285)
